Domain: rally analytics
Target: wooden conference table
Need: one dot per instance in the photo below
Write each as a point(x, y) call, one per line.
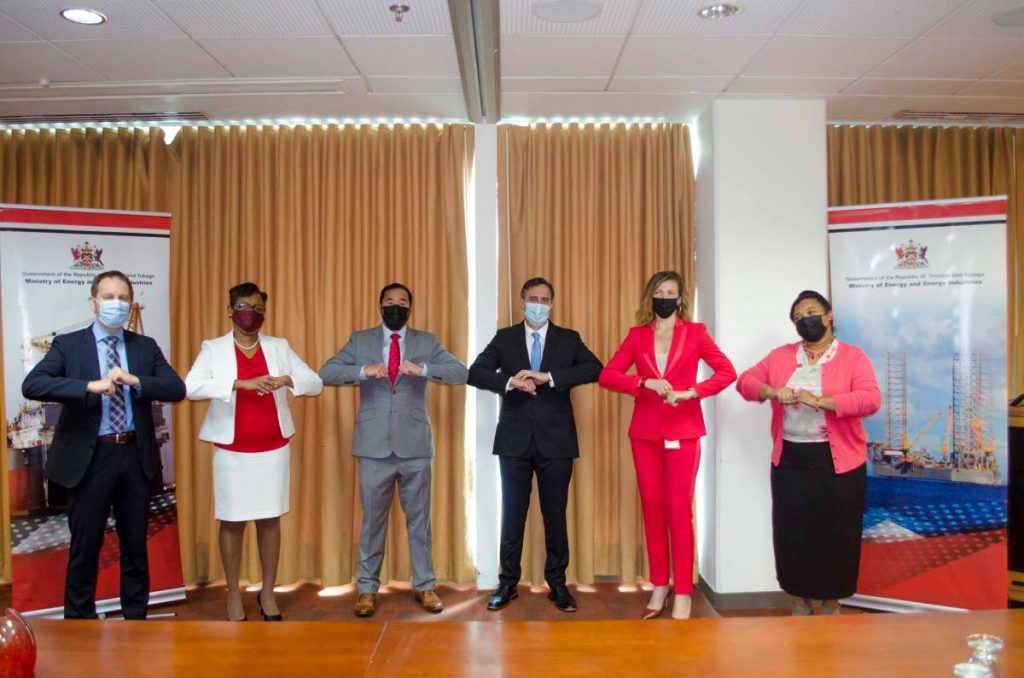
point(850, 645)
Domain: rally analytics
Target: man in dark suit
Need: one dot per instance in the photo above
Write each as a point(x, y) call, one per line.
point(533, 365)
point(104, 447)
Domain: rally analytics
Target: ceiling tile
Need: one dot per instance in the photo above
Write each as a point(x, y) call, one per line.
point(974, 20)
point(372, 17)
point(995, 88)
point(12, 31)
point(398, 56)
point(669, 84)
point(903, 87)
point(247, 18)
point(125, 19)
point(819, 57)
point(747, 85)
point(141, 59)
point(946, 58)
point(869, 18)
point(699, 55)
point(277, 57)
point(679, 17)
point(596, 105)
point(537, 56)
point(615, 18)
point(553, 84)
point(417, 85)
point(1014, 71)
point(27, 62)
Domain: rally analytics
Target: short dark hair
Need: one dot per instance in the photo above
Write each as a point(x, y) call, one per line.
point(111, 274)
point(246, 289)
point(394, 286)
point(809, 294)
point(534, 282)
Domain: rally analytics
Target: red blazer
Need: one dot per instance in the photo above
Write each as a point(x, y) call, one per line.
point(653, 418)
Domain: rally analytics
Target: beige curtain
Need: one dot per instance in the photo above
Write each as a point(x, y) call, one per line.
point(891, 164)
point(322, 218)
point(111, 169)
point(596, 209)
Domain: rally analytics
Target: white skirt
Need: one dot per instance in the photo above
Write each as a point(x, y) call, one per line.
point(250, 485)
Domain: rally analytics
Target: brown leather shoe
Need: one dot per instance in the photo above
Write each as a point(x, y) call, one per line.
point(366, 604)
point(430, 601)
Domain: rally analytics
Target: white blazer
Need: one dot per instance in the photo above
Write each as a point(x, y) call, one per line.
point(213, 376)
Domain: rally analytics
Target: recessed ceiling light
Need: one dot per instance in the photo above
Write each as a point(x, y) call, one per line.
point(718, 11)
point(567, 11)
point(1011, 18)
point(82, 15)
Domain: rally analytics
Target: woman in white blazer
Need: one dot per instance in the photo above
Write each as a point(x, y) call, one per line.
point(246, 375)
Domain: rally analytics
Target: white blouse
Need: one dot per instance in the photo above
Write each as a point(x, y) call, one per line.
point(806, 423)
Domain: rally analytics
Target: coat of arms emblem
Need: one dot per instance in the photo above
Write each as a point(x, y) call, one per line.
point(87, 257)
point(911, 255)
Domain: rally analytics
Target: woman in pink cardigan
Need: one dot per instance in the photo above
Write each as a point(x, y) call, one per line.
point(820, 389)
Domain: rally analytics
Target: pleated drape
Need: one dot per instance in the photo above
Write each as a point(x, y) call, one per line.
point(322, 218)
point(596, 209)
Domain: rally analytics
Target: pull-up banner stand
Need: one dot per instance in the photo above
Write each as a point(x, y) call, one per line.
point(48, 258)
point(921, 287)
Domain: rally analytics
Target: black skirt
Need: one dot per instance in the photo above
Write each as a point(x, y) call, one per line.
point(816, 522)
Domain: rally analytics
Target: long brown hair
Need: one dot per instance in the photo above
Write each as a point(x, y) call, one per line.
point(645, 314)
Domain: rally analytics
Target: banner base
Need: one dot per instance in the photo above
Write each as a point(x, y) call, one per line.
point(894, 605)
point(112, 605)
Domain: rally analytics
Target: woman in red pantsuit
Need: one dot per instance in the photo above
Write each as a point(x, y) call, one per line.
point(666, 427)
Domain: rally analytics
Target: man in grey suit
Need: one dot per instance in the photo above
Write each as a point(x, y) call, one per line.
point(392, 364)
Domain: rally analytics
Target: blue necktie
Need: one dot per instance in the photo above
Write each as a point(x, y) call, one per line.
point(535, 353)
point(118, 411)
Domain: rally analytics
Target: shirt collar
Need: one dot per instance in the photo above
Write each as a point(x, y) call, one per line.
point(100, 332)
point(387, 333)
point(543, 331)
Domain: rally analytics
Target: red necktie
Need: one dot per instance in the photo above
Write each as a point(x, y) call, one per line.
point(393, 358)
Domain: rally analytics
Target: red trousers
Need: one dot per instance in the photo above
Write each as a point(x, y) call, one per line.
point(666, 479)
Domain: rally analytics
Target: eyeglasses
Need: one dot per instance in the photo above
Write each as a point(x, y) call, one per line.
point(259, 308)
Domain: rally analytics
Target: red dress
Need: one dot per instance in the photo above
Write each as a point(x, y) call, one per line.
point(257, 428)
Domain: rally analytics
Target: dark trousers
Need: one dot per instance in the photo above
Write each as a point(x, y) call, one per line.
point(114, 480)
point(553, 477)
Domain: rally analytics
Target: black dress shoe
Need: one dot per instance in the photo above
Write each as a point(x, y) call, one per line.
point(503, 596)
point(562, 599)
point(267, 617)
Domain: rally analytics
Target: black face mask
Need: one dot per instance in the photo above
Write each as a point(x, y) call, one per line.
point(811, 328)
point(664, 308)
point(395, 316)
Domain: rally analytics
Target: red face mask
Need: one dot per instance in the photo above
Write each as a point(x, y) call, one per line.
point(248, 321)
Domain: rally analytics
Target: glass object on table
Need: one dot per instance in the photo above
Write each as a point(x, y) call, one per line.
point(969, 670)
point(986, 646)
point(17, 645)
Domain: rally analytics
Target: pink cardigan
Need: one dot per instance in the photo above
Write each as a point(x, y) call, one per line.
point(848, 378)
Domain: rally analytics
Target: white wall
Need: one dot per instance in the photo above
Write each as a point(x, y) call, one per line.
point(761, 238)
point(481, 405)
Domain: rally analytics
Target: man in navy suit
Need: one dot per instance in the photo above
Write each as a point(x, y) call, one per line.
point(533, 365)
point(104, 447)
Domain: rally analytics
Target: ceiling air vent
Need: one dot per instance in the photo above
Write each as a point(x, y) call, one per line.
point(993, 119)
point(85, 118)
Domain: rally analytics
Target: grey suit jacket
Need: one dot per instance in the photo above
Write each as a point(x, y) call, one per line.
point(393, 418)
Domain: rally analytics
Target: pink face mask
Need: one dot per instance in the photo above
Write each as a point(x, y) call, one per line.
point(248, 321)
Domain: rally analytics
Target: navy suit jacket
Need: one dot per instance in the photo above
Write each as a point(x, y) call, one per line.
point(62, 376)
point(546, 418)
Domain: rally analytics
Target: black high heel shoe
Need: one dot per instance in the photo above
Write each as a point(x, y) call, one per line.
point(267, 617)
